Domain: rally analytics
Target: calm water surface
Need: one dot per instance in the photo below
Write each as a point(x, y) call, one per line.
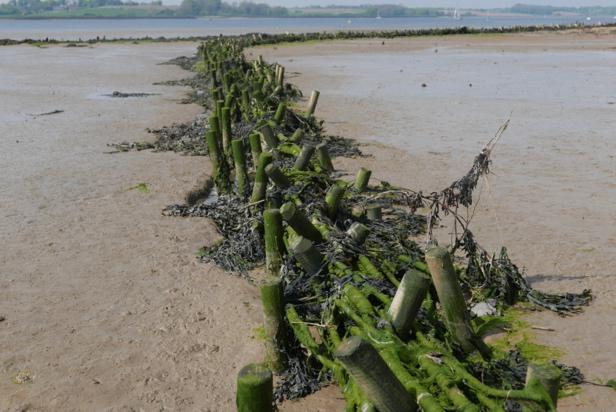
point(110, 28)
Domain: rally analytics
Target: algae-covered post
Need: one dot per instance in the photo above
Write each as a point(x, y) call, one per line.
point(299, 222)
point(332, 200)
point(362, 179)
point(260, 185)
point(450, 295)
point(239, 159)
point(407, 301)
point(273, 310)
point(277, 176)
point(374, 377)
point(312, 103)
point(274, 243)
point(255, 389)
point(303, 159)
point(307, 255)
point(543, 377)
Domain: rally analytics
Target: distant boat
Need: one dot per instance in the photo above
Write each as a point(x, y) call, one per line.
point(378, 16)
point(588, 18)
point(456, 15)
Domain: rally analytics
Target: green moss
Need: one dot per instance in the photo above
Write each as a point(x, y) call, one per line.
point(519, 335)
point(142, 187)
point(200, 67)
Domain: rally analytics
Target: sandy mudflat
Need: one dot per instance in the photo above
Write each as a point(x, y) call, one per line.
point(106, 306)
point(550, 200)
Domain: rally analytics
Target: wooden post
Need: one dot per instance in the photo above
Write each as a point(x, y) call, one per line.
point(239, 159)
point(280, 111)
point(277, 176)
point(545, 376)
point(324, 159)
point(309, 258)
point(219, 105)
point(280, 77)
point(273, 310)
point(376, 381)
point(215, 126)
point(226, 129)
point(312, 103)
point(407, 301)
point(332, 200)
point(299, 222)
point(450, 295)
point(361, 180)
point(220, 170)
point(274, 243)
point(260, 185)
point(358, 232)
point(297, 136)
point(255, 147)
point(255, 389)
point(268, 136)
point(373, 212)
point(303, 159)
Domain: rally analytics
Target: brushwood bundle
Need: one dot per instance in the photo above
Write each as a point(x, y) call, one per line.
point(349, 295)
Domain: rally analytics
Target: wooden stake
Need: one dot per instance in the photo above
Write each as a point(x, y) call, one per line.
point(220, 169)
point(274, 243)
point(226, 129)
point(299, 222)
point(273, 310)
point(450, 295)
point(277, 176)
point(297, 136)
point(358, 232)
point(268, 137)
point(323, 157)
point(312, 103)
point(280, 111)
point(255, 389)
point(373, 212)
point(260, 185)
point(309, 258)
point(376, 381)
point(255, 147)
point(332, 200)
point(239, 159)
point(407, 301)
point(361, 180)
point(303, 159)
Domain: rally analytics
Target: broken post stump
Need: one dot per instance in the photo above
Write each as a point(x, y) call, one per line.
point(255, 389)
point(376, 381)
point(407, 301)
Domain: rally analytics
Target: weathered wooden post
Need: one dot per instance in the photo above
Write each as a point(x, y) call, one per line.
point(260, 185)
point(358, 232)
point(239, 159)
point(407, 301)
point(332, 200)
point(299, 222)
point(361, 180)
point(325, 161)
point(274, 243)
point(268, 137)
point(277, 176)
point(312, 103)
point(280, 111)
point(273, 310)
point(309, 258)
point(376, 381)
point(255, 147)
point(255, 389)
point(297, 136)
point(450, 295)
point(303, 159)
point(543, 377)
point(220, 169)
point(373, 212)
point(226, 129)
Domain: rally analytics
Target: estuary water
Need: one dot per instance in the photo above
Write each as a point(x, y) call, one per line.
point(75, 29)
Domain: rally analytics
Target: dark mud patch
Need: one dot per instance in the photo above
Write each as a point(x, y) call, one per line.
point(123, 95)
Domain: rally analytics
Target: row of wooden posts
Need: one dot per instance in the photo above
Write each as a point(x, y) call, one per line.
point(359, 358)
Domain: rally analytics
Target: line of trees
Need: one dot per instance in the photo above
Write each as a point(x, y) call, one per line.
point(220, 8)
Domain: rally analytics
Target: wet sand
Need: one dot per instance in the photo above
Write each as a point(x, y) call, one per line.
point(550, 197)
point(106, 306)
